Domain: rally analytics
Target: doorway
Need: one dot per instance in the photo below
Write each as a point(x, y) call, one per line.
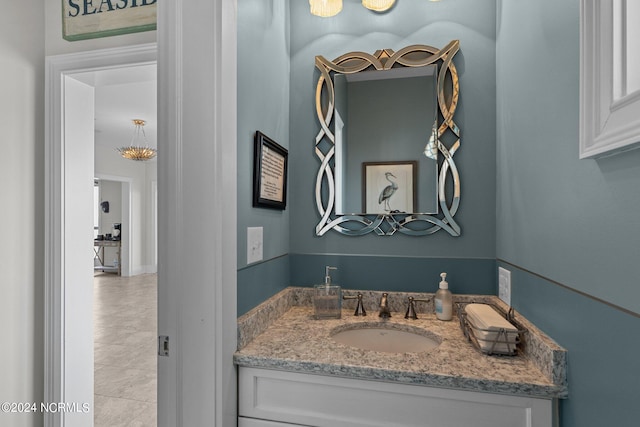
point(69, 355)
point(124, 307)
point(198, 168)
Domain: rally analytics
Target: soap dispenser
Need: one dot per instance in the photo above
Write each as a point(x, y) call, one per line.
point(444, 300)
point(327, 298)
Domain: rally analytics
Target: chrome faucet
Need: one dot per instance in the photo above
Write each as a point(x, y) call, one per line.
point(384, 307)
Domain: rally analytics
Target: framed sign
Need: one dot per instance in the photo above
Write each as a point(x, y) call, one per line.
point(389, 187)
point(269, 173)
point(86, 19)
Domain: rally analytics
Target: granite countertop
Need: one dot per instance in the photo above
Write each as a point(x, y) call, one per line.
point(282, 334)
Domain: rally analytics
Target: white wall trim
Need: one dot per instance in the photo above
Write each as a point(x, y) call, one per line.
point(56, 67)
point(197, 266)
point(607, 125)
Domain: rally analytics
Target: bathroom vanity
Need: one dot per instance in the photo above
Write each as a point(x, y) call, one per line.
point(389, 171)
point(291, 371)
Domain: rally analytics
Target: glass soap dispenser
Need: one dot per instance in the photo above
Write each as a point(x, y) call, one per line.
point(327, 298)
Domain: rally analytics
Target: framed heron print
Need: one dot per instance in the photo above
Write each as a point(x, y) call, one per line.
point(389, 187)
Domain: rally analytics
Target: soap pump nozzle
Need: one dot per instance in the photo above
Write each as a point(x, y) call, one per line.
point(443, 282)
point(327, 275)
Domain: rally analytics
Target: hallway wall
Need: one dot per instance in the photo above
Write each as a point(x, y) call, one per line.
point(22, 172)
point(29, 30)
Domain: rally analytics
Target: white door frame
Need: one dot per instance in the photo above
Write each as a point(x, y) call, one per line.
point(59, 382)
point(197, 205)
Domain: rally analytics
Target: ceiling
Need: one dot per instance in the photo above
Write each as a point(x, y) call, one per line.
point(121, 95)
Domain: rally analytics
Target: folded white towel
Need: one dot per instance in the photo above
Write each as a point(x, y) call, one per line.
point(487, 324)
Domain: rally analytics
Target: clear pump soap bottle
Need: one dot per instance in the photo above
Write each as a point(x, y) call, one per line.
point(444, 300)
point(327, 298)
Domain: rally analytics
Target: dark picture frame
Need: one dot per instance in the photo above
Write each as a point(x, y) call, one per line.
point(378, 190)
point(270, 162)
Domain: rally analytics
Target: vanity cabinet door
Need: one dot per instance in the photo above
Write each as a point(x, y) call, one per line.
point(323, 401)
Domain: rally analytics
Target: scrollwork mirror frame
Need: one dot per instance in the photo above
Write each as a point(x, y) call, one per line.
point(448, 91)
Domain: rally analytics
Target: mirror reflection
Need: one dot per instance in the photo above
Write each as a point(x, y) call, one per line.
point(386, 142)
point(385, 157)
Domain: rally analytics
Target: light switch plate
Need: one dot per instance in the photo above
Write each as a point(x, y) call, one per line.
point(254, 244)
point(504, 285)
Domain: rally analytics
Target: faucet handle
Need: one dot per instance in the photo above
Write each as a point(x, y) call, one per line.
point(411, 308)
point(359, 307)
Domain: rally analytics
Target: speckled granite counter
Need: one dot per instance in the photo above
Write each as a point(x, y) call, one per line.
point(282, 334)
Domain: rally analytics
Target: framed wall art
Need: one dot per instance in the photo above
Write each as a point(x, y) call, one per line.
point(82, 19)
point(389, 187)
point(269, 174)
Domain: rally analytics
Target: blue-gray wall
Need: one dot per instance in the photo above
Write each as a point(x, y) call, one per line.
point(568, 228)
point(264, 39)
point(473, 22)
point(574, 221)
point(399, 262)
point(469, 259)
point(263, 104)
point(602, 345)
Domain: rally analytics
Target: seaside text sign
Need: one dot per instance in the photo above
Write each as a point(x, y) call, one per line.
point(87, 19)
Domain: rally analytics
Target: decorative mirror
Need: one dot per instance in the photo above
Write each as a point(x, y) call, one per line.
point(386, 142)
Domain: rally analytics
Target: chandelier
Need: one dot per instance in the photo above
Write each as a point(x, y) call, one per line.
point(135, 150)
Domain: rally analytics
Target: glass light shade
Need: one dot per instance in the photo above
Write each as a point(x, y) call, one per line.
point(325, 8)
point(378, 5)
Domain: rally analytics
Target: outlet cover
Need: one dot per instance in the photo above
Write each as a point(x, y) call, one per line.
point(254, 244)
point(504, 285)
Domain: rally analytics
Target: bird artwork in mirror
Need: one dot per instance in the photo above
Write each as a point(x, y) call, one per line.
point(386, 142)
point(389, 187)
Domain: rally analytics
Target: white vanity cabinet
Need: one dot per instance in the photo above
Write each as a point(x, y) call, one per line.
point(269, 398)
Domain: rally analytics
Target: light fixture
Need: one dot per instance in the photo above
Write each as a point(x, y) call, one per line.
point(325, 8)
point(378, 5)
point(135, 150)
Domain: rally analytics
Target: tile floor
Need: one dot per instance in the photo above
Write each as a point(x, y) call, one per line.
point(125, 350)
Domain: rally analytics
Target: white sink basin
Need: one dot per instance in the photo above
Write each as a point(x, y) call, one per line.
point(385, 339)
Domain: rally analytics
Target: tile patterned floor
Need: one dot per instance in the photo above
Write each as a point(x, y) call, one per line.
point(125, 350)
